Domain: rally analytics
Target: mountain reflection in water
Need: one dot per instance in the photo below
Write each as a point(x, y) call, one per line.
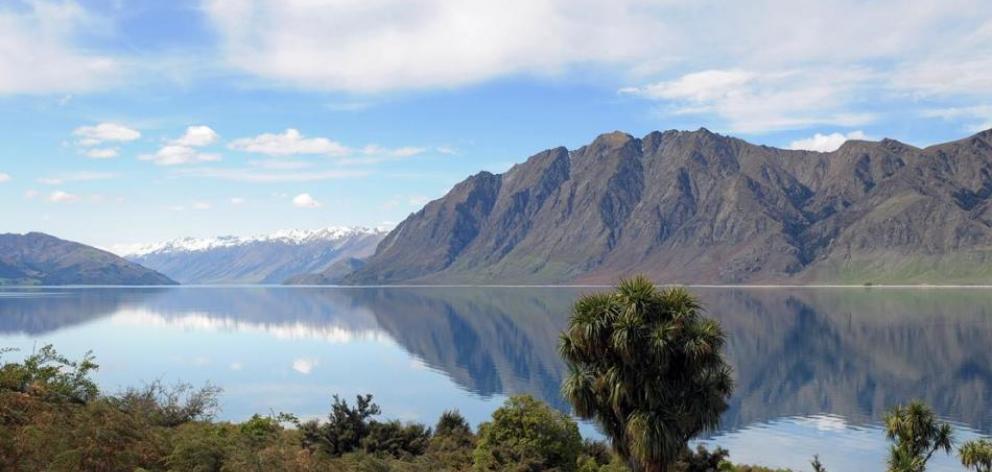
point(796, 353)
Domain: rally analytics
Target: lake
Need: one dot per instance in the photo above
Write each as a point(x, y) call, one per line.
point(815, 368)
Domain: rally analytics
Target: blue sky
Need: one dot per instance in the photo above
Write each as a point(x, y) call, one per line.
point(129, 121)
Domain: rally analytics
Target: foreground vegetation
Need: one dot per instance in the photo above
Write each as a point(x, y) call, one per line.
point(645, 365)
point(53, 417)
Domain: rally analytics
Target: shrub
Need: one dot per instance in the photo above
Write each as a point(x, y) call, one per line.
point(526, 434)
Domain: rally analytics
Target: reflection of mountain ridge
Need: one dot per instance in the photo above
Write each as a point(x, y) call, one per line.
point(489, 341)
point(852, 353)
point(41, 311)
point(796, 352)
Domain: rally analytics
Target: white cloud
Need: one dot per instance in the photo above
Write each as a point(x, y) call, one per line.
point(702, 86)
point(305, 365)
point(200, 206)
point(752, 102)
point(429, 43)
point(288, 143)
point(977, 117)
point(175, 154)
point(59, 196)
point(197, 136)
point(236, 366)
point(4, 177)
point(37, 54)
point(237, 201)
point(826, 142)
point(105, 132)
point(440, 43)
point(405, 151)
point(448, 150)
point(84, 176)
point(304, 200)
point(101, 153)
point(182, 150)
point(31, 194)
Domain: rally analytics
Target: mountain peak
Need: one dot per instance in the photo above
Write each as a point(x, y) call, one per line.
point(266, 258)
point(285, 236)
point(612, 139)
point(696, 206)
point(38, 258)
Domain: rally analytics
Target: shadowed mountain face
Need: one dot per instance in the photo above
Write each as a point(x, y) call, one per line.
point(795, 352)
point(40, 259)
point(697, 207)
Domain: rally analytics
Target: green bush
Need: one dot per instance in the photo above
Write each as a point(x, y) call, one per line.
point(526, 434)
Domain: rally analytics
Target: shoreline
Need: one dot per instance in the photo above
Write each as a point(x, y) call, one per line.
point(705, 286)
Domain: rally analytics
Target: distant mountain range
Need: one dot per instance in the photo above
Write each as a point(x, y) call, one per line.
point(40, 259)
point(265, 259)
point(698, 207)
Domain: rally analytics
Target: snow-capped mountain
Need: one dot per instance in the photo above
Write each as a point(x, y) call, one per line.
point(268, 259)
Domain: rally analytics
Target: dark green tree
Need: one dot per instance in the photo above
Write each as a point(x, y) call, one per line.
point(647, 366)
point(977, 455)
point(345, 428)
point(526, 435)
point(917, 435)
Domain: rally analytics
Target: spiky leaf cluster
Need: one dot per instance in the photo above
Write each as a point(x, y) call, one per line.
point(917, 435)
point(647, 366)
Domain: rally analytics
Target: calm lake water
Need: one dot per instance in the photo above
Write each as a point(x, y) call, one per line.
point(815, 368)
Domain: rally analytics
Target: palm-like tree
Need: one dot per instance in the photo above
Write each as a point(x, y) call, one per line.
point(917, 435)
point(977, 455)
point(648, 368)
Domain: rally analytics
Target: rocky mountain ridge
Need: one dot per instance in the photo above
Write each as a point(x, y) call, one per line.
point(699, 207)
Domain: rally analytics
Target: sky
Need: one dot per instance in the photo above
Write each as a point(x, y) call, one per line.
point(134, 121)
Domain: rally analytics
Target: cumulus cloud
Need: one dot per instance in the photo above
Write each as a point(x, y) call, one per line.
point(200, 206)
point(83, 176)
point(287, 143)
point(4, 177)
point(237, 201)
point(183, 150)
point(105, 132)
point(175, 154)
point(304, 200)
point(196, 136)
point(37, 51)
point(825, 142)
point(59, 196)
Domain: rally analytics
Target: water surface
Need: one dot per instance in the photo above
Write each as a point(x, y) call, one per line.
point(815, 368)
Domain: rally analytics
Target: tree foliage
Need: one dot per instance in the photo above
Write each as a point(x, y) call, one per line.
point(977, 455)
point(528, 435)
point(917, 435)
point(648, 367)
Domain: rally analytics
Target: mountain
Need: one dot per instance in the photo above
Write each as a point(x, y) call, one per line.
point(40, 259)
point(269, 259)
point(699, 207)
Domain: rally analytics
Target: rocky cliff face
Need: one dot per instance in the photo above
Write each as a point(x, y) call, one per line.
point(40, 259)
point(698, 207)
